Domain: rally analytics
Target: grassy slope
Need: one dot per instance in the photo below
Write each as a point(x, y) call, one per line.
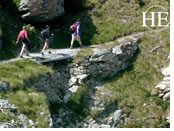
point(21, 94)
point(135, 87)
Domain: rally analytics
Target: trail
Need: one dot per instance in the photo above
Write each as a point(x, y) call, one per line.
point(62, 54)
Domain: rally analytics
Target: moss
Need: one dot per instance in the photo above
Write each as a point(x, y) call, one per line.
point(83, 55)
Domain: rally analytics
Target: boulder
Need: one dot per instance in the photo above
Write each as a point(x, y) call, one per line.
point(41, 10)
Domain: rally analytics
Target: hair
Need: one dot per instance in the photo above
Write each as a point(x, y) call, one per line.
point(78, 20)
point(47, 26)
point(23, 27)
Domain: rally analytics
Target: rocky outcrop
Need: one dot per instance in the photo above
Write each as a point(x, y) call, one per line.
point(164, 86)
point(41, 10)
point(103, 62)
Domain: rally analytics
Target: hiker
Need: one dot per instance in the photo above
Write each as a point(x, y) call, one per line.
point(76, 33)
point(45, 34)
point(23, 37)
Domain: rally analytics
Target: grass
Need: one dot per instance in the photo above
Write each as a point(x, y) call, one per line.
point(76, 102)
point(133, 89)
point(21, 94)
point(82, 55)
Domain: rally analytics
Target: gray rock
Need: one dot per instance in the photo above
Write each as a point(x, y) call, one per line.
point(4, 86)
point(99, 52)
point(117, 50)
point(59, 120)
point(105, 126)
point(166, 71)
point(166, 96)
point(66, 97)
point(72, 81)
point(116, 115)
point(41, 10)
point(73, 89)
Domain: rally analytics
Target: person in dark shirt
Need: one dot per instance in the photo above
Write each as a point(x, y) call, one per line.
point(46, 36)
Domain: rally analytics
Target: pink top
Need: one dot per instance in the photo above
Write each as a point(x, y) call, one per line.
point(21, 33)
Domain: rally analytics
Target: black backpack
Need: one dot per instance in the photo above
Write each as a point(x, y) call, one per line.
point(44, 33)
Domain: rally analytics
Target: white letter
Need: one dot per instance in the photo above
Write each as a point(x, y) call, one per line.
point(152, 19)
point(160, 19)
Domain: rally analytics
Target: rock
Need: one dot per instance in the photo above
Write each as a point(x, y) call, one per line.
point(99, 52)
point(116, 115)
point(105, 126)
point(3, 86)
point(162, 86)
point(73, 89)
point(166, 96)
point(24, 119)
point(41, 10)
point(72, 81)
point(59, 121)
point(82, 77)
point(117, 50)
point(66, 97)
point(166, 71)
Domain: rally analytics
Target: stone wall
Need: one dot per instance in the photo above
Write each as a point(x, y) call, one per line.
point(103, 62)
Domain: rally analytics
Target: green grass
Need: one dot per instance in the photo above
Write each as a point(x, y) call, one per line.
point(133, 88)
point(76, 102)
point(27, 100)
point(82, 55)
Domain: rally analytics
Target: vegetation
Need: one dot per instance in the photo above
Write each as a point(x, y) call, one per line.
point(76, 102)
point(82, 55)
point(18, 74)
point(134, 88)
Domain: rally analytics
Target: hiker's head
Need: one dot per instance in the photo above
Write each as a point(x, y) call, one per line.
point(78, 20)
point(24, 28)
point(47, 26)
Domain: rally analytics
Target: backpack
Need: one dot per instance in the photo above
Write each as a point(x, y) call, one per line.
point(73, 28)
point(44, 34)
point(23, 37)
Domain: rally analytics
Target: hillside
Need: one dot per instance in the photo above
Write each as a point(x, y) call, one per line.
point(111, 83)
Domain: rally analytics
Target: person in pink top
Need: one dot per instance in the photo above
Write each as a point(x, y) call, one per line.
point(23, 37)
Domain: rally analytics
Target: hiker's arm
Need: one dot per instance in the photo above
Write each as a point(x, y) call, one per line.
point(18, 37)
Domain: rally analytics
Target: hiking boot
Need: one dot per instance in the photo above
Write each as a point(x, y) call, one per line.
point(49, 52)
point(27, 54)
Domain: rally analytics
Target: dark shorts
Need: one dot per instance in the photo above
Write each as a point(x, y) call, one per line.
point(27, 43)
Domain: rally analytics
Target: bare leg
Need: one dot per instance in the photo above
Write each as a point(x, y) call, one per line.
point(22, 50)
point(79, 40)
point(45, 46)
point(72, 41)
